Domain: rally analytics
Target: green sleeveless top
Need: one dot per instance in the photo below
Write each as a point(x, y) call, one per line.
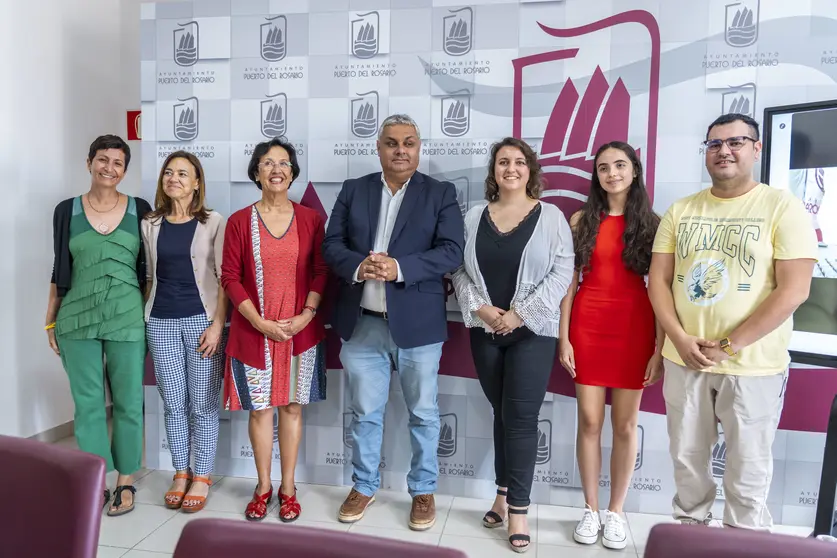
point(104, 301)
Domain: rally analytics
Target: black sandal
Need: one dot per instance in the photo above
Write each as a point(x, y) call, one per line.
point(519, 537)
point(107, 498)
point(496, 520)
point(117, 501)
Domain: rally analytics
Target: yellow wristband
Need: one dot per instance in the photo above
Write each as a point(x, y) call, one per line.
point(50, 326)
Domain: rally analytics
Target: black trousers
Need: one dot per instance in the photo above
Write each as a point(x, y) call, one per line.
point(514, 372)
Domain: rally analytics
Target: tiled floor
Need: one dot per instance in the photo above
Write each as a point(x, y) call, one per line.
point(152, 531)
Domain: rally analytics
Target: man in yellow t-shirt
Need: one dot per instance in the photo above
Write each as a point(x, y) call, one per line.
point(730, 266)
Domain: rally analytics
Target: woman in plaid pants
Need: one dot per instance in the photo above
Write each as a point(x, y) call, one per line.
point(185, 313)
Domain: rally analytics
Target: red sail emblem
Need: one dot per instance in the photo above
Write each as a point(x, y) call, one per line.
point(580, 124)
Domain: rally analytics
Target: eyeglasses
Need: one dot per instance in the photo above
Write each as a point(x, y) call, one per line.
point(269, 164)
point(734, 143)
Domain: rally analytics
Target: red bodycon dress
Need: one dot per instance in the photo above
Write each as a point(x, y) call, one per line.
point(612, 323)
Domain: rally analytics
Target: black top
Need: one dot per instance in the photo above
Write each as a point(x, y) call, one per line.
point(62, 265)
point(499, 254)
point(177, 294)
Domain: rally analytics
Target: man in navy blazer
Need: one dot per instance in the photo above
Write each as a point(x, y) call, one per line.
point(391, 238)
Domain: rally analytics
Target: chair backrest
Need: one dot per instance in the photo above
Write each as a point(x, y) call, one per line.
point(219, 538)
point(43, 482)
point(693, 541)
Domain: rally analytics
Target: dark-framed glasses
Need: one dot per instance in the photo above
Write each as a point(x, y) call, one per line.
point(734, 143)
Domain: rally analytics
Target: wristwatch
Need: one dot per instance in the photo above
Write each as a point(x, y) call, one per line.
point(727, 347)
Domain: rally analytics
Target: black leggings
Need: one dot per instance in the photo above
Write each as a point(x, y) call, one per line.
point(514, 372)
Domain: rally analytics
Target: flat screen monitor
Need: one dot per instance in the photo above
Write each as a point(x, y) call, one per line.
point(800, 154)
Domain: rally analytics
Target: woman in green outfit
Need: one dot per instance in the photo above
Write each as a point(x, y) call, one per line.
point(95, 312)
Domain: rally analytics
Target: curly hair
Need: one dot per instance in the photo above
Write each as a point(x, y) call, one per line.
point(640, 220)
point(535, 185)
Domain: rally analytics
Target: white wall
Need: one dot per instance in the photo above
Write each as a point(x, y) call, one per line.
point(70, 71)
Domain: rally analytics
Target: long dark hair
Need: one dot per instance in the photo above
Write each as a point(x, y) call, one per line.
point(640, 220)
point(163, 205)
point(535, 185)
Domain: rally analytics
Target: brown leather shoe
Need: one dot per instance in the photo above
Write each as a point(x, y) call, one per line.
point(423, 512)
point(354, 506)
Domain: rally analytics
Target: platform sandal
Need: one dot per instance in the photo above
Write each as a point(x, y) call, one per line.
point(200, 500)
point(288, 505)
point(117, 500)
point(257, 508)
point(519, 537)
point(177, 501)
point(492, 519)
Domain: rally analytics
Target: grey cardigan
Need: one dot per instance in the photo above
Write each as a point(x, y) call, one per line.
point(207, 249)
point(546, 269)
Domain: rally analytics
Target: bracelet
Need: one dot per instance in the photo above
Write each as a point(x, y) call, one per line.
point(309, 307)
point(50, 326)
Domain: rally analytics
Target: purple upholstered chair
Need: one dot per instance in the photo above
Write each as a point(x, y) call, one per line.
point(220, 538)
point(692, 541)
point(50, 500)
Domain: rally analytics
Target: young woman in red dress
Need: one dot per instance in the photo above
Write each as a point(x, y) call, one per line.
point(608, 335)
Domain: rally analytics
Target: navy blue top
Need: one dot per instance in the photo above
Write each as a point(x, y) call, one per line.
point(177, 293)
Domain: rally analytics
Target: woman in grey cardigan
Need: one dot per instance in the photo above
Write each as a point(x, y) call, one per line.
point(185, 313)
point(517, 268)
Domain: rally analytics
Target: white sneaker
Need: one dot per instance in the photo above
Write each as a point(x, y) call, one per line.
point(614, 536)
point(587, 530)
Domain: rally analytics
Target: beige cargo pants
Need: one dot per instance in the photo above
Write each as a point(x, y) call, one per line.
point(748, 408)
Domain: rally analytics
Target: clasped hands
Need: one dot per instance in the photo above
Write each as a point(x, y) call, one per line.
point(699, 354)
point(500, 321)
point(378, 266)
point(283, 330)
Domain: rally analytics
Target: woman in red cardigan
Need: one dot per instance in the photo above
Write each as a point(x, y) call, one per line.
point(274, 274)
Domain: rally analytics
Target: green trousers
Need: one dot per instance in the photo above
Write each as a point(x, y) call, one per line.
point(83, 362)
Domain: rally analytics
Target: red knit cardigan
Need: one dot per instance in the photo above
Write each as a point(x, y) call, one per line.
point(238, 278)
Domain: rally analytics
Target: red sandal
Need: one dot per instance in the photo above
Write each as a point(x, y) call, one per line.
point(257, 508)
point(288, 505)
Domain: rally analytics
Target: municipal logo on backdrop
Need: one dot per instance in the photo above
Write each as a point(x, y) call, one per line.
point(739, 99)
point(456, 114)
point(186, 43)
point(544, 451)
point(364, 114)
point(276, 426)
point(274, 112)
point(458, 30)
point(581, 121)
point(274, 36)
point(719, 458)
point(640, 446)
point(347, 429)
point(186, 119)
point(741, 23)
point(447, 436)
point(365, 32)
point(463, 186)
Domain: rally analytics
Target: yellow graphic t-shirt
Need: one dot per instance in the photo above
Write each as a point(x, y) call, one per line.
point(723, 268)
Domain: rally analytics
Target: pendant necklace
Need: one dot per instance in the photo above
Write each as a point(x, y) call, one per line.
point(102, 226)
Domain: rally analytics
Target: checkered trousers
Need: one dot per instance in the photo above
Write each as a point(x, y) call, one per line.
point(190, 387)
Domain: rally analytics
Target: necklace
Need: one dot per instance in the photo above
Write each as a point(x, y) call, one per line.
point(103, 227)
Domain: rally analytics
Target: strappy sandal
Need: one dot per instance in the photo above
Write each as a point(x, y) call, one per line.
point(257, 508)
point(107, 498)
point(178, 496)
point(288, 505)
point(201, 500)
point(492, 519)
point(519, 537)
point(117, 501)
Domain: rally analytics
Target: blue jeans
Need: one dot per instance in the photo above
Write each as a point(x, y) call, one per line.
point(368, 359)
